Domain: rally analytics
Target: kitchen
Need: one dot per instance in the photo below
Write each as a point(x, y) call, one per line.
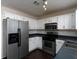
point(53, 35)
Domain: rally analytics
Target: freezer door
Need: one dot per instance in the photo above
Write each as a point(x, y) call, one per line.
point(23, 48)
point(4, 38)
point(12, 48)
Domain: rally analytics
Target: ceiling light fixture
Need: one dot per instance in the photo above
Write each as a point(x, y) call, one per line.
point(45, 9)
point(45, 4)
point(36, 3)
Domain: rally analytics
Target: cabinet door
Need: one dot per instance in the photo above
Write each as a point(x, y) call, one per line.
point(61, 22)
point(73, 20)
point(39, 42)
point(70, 21)
point(35, 42)
point(41, 24)
point(32, 43)
point(59, 44)
point(32, 24)
point(54, 19)
point(66, 21)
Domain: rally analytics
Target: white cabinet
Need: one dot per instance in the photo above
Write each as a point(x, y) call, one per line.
point(54, 19)
point(67, 21)
point(73, 21)
point(61, 22)
point(34, 43)
point(32, 24)
point(59, 44)
point(41, 24)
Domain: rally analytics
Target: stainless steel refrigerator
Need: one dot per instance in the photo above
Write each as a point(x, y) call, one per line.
point(16, 36)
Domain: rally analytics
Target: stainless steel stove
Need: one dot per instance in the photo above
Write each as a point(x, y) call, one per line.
point(49, 40)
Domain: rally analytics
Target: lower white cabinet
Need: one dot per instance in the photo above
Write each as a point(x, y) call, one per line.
point(34, 43)
point(59, 44)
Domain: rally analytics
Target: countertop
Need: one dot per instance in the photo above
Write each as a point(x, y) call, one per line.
point(61, 34)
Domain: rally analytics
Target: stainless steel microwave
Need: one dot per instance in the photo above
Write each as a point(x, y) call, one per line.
point(50, 26)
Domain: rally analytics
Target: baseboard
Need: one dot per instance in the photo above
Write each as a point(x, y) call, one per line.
point(4, 58)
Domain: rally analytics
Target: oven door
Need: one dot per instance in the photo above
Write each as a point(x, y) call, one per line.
point(49, 47)
point(48, 44)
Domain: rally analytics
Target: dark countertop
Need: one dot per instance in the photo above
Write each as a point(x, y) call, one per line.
point(36, 35)
point(62, 33)
point(61, 37)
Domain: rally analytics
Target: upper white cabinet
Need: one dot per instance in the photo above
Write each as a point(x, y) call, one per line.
point(73, 25)
point(32, 24)
point(67, 21)
point(54, 19)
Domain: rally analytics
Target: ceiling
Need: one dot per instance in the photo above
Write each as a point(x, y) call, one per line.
point(28, 7)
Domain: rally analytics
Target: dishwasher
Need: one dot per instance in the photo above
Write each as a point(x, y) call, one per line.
point(68, 51)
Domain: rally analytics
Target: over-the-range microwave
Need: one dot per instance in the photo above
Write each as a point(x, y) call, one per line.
point(51, 26)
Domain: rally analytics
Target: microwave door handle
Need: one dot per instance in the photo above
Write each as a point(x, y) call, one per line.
point(19, 37)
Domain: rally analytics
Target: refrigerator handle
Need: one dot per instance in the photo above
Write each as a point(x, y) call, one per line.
point(19, 37)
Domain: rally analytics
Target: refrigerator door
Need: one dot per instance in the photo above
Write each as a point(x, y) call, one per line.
point(23, 46)
point(12, 44)
point(4, 38)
